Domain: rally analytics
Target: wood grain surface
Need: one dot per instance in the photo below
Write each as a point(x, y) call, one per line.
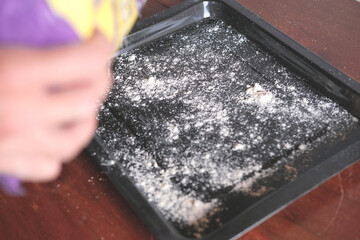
point(82, 203)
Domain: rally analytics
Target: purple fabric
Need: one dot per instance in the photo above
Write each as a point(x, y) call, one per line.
point(32, 23)
point(11, 186)
point(140, 4)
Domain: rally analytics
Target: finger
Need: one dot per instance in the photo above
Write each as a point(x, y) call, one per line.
point(73, 105)
point(56, 109)
point(58, 66)
point(73, 63)
point(29, 167)
point(68, 142)
point(63, 143)
point(28, 143)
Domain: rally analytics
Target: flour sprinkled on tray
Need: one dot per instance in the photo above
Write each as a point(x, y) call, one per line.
point(203, 114)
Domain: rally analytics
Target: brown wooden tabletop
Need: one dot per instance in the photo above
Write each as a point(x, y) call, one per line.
point(82, 203)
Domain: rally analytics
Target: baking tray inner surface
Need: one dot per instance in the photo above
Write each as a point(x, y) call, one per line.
point(205, 123)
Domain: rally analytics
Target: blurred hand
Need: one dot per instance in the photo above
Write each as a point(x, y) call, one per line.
point(48, 100)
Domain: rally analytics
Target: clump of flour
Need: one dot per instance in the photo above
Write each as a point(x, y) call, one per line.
point(258, 95)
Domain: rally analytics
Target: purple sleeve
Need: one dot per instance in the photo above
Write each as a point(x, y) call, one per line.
point(32, 23)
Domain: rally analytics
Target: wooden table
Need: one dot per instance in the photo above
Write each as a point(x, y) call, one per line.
point(82, 203)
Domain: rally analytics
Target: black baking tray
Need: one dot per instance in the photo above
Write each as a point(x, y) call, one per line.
point(327, 159)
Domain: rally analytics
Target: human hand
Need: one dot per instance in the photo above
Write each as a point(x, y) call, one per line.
point(48, 100)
